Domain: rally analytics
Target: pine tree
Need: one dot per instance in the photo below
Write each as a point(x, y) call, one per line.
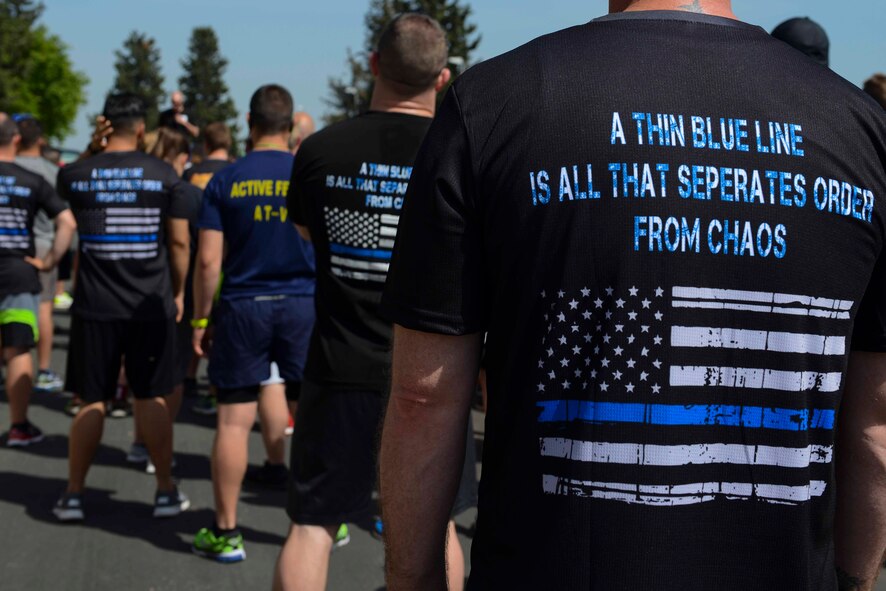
point(138, 72)
point(206, 94)
point(17, 17)
point(351, 94)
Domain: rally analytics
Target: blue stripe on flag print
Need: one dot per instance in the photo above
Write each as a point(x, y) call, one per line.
point(384, 255)
point(119, 237)
point(749, 417)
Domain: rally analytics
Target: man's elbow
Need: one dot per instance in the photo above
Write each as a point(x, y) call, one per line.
point(65, 220)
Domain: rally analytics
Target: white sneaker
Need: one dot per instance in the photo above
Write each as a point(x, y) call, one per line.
point(170, 504)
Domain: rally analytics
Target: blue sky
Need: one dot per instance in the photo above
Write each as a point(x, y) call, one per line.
point(301, 44)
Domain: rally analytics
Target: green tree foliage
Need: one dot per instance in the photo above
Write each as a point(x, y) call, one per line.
point(138, 72)
point(17, 17)
point(351, 94)
point(52, 90)
point(203, 84)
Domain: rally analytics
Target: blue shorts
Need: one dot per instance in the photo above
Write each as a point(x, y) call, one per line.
point(251, 333)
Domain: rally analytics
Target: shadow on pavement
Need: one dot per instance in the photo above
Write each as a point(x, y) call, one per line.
point(127, 519)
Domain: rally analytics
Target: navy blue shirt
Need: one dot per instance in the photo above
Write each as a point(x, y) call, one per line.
point(265, 255)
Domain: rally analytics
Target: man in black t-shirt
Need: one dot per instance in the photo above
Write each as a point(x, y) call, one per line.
point(22, 195)
point(177, 117)
point(347, 190)
point(667, 222)
point(217, 144)
point(129, 293)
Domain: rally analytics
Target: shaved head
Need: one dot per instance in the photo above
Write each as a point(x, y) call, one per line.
point(8, 130)
point(302, 128)
point(412, 51)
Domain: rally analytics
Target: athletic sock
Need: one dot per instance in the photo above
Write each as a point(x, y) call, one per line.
point(227, 533)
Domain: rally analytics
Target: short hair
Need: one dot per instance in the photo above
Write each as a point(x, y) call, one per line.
point(876, 87)
point(30, 130)
point(807, 36)
point(217, 136)
point(8, 129)
point(412, 50)
point(170, 144)
point(270, 110)
point(124, 110)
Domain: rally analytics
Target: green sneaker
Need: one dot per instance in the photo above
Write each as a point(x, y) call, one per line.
point(205, 405)
point(342, 536)
point(218, 548)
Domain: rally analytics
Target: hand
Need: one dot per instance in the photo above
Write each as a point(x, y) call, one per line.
point(179, 307)
point(100, 134)
point(181, 118)
point(43, 265)
point(202, 341)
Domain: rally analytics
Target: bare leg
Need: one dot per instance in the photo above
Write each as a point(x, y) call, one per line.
point(455, 560)
point(86, 433)
point(303, 564)
point(156, 428)
point(47, 329)
point(19, 382)
point(230, 456)
point(274, 415)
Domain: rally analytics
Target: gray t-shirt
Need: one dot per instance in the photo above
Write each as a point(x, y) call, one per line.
point(44, 229)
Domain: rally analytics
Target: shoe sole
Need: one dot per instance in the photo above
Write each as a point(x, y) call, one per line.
point(342, 542)
point(24, 443)
point(68, 515)
point(230, 558)
point(136, 459)
point(173, 511)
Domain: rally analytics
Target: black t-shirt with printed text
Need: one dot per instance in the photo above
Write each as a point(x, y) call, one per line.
point(122, 202)
point(667, 224)
point(22, 195)
point(201, 173)
point(348, 187)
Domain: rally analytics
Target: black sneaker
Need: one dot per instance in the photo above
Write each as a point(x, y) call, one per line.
point(269, 475)
point(23, 435)
point(170, 504)
point(69, 507)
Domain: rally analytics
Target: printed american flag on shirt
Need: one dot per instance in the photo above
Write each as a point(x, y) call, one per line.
point(686, 395)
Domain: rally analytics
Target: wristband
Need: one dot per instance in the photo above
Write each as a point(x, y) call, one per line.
point(199, 323)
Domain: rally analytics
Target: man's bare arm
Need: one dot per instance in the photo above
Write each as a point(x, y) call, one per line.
point(179, 243)
point(422, 452)
point(860, 528)
point(210, 251)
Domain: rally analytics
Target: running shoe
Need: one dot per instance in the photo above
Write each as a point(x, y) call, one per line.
point(150, 468)
point(219, 548)
point(119, 408)
point(342, 536)
point(73, 406)
point(48, 381)
point(69, 507)
point(205, 405)
point(170, 504)
point(63, 301)
point(290, 427)
point(269, 475)
point(138, 454)
point(378, 528)
point(23, 435)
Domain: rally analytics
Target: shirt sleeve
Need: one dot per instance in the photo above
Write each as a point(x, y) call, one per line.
point(436, 283)
point(210, 212)
point(49, 201)
point(870, 322)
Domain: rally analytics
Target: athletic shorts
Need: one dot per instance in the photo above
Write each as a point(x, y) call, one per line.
point(18, 320)
point(49, 278)
point(249, 335)
point(334, 456)
point(97, 347)
point(184, 350)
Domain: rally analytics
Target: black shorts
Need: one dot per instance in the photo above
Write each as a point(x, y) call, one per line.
point(334, 457)
point(97, 347)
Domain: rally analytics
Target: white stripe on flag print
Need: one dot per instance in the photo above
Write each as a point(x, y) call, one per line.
point(358, 264)
point(358, 275)
point(756, 340)
point(385, 243)
point(14, 242)
point(117, 256)
point(390, 220)
point(132, 229)
point(148, 219)
point(758, 379)
point(11, 222)
point(683, 494)
point(752, 301)
point(121, 246)
point(142, 211)
point(14, 211)
point(596, 452)
point(388, 232)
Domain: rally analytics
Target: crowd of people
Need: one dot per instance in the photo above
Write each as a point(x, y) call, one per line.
point(662, 354)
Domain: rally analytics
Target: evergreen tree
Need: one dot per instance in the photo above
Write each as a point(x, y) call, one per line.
point(17, 17)
point(206, 94)
point(138, 72)
point(351, 94)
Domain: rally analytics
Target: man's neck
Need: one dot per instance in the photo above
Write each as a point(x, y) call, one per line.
point(7, 154)
point(218, 155)
point(124, 143)
point(31, 152)
point(386, 100)
point(271, 143)
point(712, 7)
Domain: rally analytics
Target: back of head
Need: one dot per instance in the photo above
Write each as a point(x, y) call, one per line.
point(8, 130)
point(805, 35)
point(412, 51)
point(302, 128)
point(30, 130)
point(876, 87)
point(270, 110)
point(124, 111)
point(217, 136)
point(170, 145)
